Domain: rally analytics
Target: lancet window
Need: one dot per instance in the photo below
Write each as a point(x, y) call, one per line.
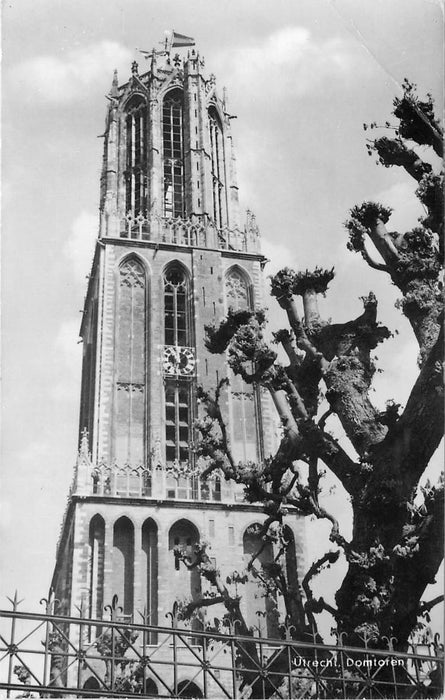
point(136, 141)
point(96, 566)
point(238, 296)
point(183, 536)
point(173, 154)
point(217, 166)
point(178, 366)
point(149, 573)
point(243, 397)
point(261, 608)
point(176, 328)
point(123, 564)
point(178, 416)
point(130, 364)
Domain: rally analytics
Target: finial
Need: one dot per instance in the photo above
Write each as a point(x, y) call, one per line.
point(114, 85)
point(84, 449)
point(153, 61)
point(134, 68)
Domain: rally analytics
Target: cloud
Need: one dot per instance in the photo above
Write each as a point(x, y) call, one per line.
point(80, 243)
point(407, 208)
point(290, 61)
point(58, 80)
point(279, 255)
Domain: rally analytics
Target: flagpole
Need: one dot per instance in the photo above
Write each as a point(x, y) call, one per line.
point(169, 41)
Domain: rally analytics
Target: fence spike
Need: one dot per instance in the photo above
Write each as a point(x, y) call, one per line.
point(15, 602)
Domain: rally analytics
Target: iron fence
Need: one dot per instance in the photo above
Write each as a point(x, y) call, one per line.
point(54, 655)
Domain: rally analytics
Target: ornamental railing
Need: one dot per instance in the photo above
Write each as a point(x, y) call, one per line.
point(145, 482)
point(152, 479)
point(49, 654)
point(196, 231)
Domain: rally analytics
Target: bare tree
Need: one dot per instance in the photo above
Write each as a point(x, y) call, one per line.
point(396, 544)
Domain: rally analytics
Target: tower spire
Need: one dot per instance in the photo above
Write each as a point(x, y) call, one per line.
point(171, 258)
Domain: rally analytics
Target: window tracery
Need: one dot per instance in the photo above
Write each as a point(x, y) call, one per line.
point(96, 565)
point(243, 397)
point(131, 274)
point(263, 608)
point(129, 447)
point(173, 154)
point(217, 166)
point(178, 399)
point(136, 141)
point(237, 291)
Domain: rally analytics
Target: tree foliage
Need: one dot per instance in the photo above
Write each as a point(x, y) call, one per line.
point(396, 544)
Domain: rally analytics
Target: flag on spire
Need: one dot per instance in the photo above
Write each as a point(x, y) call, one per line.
point(181, 40)
point(172, 39)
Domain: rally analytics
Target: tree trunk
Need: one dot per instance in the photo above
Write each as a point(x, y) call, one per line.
point(393, 557)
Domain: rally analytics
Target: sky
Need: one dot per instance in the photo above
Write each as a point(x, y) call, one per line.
point(302, 78)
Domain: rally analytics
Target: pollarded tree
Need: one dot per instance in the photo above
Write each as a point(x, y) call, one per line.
point(396, 545)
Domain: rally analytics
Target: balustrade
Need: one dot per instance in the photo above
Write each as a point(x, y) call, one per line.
point(198, 231)
point(144, 482)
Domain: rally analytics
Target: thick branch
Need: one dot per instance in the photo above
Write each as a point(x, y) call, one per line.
point(417, 566)
point(288, 303)
point(413, 262)
point(375, 265)
point(395, 152)
point(286, 339)
point(208, 570)
point(383, 241)
point(417, 120)
point(350, 374)
point(414, 438)
point(312, 604)
point(425, 607)
point(202, 603)
point(335, 530)
point(320, 444)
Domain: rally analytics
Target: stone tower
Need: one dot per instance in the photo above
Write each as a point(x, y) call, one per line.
point(171, 257)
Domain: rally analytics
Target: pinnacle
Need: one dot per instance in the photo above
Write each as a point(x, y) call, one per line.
point(114, 85)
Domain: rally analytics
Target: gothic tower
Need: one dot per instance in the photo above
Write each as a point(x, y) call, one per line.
point(171, 257)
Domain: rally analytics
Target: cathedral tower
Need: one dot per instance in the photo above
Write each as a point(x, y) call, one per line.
point(172, 256)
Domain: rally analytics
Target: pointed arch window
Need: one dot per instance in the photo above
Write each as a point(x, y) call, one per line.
point(176, 316)
point(96, 566)
point(129, 421)
point(149, 574)
point(261, 603)
point(217, 166)
point(183, 535)
point(173, 153)
point(238, 294)
point(136, 141)
point(177, 367)
point(244, 401)
point(123, 564)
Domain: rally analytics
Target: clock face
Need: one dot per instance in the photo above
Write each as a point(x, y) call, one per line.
point(178, 360)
